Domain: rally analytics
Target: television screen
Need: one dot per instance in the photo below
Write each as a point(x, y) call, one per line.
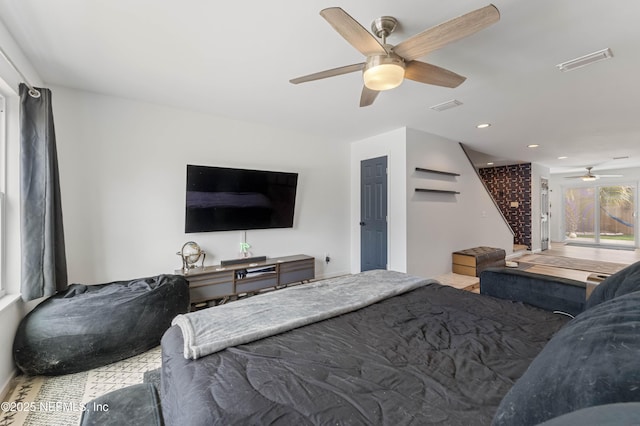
point(225, 199)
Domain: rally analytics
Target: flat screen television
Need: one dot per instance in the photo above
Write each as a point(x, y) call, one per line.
point(226, 199)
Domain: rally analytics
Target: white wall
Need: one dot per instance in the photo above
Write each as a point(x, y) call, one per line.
point(558, 182)
point(123, 170)
point(393, 146)
point(424, 229)
point(440, 224)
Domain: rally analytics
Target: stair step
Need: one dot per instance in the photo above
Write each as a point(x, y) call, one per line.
point(462, 282)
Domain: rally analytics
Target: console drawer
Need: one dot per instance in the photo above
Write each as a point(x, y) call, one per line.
point(292, 272)
point(256, 283)
point(202, 293)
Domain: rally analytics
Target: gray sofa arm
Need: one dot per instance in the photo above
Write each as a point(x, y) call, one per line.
point(543, 291)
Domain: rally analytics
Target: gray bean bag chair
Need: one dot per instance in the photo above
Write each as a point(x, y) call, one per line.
point(90, 326)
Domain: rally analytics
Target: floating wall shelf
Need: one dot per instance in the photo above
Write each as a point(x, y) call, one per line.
point(420, 169)
point(440, 191)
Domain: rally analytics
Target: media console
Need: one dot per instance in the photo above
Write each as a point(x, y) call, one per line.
point(217, 281)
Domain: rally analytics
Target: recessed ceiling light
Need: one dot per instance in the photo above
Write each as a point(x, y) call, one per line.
point(489, 164)
point(562, 158)
point(483, 125)
point(533, 145)
point(585, 60)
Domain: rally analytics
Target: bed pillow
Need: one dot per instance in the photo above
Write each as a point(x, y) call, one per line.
point(625, 413)
point(593, 360)
point(622, 282)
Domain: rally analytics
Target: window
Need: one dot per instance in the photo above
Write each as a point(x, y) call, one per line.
point(601, 214)
point(2, 234)
point(3, 177)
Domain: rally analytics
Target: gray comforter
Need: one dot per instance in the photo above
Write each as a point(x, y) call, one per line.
point(431, 356)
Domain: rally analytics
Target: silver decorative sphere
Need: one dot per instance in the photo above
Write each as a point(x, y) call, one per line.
point(191, 253)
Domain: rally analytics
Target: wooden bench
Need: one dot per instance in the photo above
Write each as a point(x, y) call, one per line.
point(474, 260)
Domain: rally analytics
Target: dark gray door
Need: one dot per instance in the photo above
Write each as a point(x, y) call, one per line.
point(373, 214)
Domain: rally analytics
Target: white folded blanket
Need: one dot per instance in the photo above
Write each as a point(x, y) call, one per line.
point(214, 329)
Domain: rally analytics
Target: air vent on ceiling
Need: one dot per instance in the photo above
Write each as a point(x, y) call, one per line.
point(621, 158)
point(446, 105)
point(585, 60)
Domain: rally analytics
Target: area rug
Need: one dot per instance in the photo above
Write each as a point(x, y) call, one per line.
point(59, 400)
point(573, 263)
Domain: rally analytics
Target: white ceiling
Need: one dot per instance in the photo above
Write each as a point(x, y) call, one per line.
point(235, 59)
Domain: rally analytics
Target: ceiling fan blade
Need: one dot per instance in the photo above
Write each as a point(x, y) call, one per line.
point(609, 176)
point(368, 96)
point(431, 74)
point(328, 73)
point(352, 31)
point(447, 32)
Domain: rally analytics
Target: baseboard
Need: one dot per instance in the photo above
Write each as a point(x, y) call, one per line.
point(332, 275)
point(6, 386)
point(516, 255)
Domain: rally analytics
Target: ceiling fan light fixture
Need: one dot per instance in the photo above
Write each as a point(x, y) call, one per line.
point(589, 178)
point(383, 72)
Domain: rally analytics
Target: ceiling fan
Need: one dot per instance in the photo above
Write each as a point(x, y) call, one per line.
point(587, 177)
point(387, 66)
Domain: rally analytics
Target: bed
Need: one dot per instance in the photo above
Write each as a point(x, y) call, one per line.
point(430, 355)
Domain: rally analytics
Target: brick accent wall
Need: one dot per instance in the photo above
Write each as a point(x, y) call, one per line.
point(509, 184)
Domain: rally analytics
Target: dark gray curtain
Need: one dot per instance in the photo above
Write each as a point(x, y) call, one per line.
point(44, 264)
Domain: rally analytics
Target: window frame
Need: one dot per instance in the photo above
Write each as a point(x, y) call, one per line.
point(597, 214)
point(2, 245)
point(3, 180)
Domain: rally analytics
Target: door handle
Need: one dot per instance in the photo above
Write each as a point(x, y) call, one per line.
point(362, 223)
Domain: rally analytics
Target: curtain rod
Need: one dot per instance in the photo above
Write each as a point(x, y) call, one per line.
point(33, 92)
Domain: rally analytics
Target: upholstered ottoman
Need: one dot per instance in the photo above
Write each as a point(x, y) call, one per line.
point(475, 260)
point(90, 326)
